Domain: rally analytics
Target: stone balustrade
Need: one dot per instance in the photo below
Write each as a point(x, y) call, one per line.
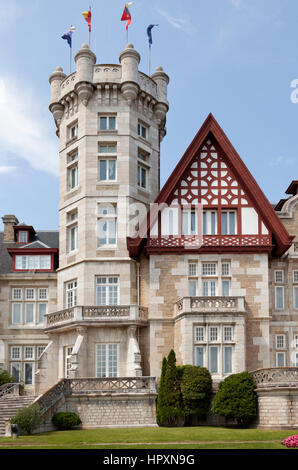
point(276, 377)
point(96, 313)
point(112, 385)
point(9, 389)
point(210, 305)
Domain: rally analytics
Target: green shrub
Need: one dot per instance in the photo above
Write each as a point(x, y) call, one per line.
point(65, 420)
point(5, 377)
point(236, 399)
point(161, 398)
point(173, 404)
point(196, 390)
point(27, 418)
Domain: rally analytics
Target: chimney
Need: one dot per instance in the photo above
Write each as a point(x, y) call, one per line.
point(9, 221)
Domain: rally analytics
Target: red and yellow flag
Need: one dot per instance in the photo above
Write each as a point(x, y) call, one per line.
point(87, 16)
point(126, 16)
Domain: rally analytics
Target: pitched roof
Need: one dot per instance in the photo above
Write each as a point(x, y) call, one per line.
point(211, 127)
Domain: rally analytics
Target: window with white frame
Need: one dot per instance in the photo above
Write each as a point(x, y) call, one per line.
point(107, 290)
point(73, 131)
point(33, 305)
point(227, 359)
point(142, 131)
point(209, 222)
point(23, 236)
point(107, 169)
point(280, 341)
point(72, 235)
point(192, 269)
point(225, 269)
point(72, 157)
point(107, 123)
point(189, 222)
point(40, 350)
point(192, 287)
point(213, 359)
point(228, 333)
point(295, 341)
point(105, 147)
point(295, 276)
point(42, 310)
point(29, 352)
point(142, 176)
point(209, 269)
point(279, 276)
point(29, 312)
point(16, 313)
point(295, 297)
point(225, 287)
point(15, 370)
point(39, 262)
point(30, 294)
point(22, 362)
point(15, 352)
point(213, 333)
point(228, 222)
point(200, 356)
point(17, 293)
point(279, 297)
point(42, 293)
point(73, 176)
point(199, 333)
point(296, 360)
point(71, 292)
point(106, 224)
point(280, 359)
point(28, 373)
point(107, 360)
point(209, 288)
point(67, 360)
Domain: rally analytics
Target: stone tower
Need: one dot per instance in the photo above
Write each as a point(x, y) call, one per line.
point(110, 121)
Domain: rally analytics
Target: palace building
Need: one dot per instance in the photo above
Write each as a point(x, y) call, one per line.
point(206, 265)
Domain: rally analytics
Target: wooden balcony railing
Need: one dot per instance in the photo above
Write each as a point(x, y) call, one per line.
point(195, 241)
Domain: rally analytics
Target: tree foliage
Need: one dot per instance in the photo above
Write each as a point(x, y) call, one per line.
point(27, 419)
point(196, 391)
point(161, 399)
point(5, 377)
point(236, 399)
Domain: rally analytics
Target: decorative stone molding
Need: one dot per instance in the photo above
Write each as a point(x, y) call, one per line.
point(210, 305)
point(276, 377)
point(9, 389)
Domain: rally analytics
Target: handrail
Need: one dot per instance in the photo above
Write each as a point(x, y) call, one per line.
point(9, 389)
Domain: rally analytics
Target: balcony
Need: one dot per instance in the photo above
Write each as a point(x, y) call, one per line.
point(209, 305)
point(94, 315)
point(276, 377)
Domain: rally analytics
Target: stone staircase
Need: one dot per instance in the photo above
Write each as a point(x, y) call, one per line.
point(9, 405)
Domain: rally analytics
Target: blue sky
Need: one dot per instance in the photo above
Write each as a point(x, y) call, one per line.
point(234, 58)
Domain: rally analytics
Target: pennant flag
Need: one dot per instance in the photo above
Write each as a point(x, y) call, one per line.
point(149, 32)
point(68, 35)
point(126, 16)
point(87, 16)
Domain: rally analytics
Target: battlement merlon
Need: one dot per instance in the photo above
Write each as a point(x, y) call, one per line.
point(79, 86)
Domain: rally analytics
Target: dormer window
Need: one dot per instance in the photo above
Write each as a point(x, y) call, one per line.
point(23, 236)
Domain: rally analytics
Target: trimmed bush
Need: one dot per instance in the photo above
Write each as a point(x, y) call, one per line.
point(66, 420)
point(236, 399)
point(161, 398)
point(27, 419)
point(196, 391)
point(173, 405)
point(5, 377)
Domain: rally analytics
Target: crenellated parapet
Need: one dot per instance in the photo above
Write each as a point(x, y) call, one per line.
point(108, 83)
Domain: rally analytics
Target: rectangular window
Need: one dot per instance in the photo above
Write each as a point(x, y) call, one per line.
point(296, 341)
point(199, 333)
point(15, 369)
point(209, 288)
point(213, 359)
point(192, 269)
point(280, 359)
point(106, 225)
point(209, 222)
point(278, 276)
point(71, 294)
point(107, 148)
point(30, 294)
point(28, 373)
point(189, 222)
point(16, 294)
point(280, 341)
point(192, 287)
point(42, 310)
point(17, 313)
point(107, 169)
point(42, 293)
point(199, 356)
point(142, 131)
point(227, 333)
point(107, 123)
point(29, 352)
point(42, 262)
point(295, 296)
point(213, 333)
point(225, 269)
point(209, 269)
point(40, 350)
point(107, 291)
point(279, 297)
point(73, 131)
point(15, 352)
point(227, 359)
point(73, 174)
point(67, 360)
point(228, 223)
point(295, 276)
point(23, 236)
point(107, 360)
point(225, 288)
point(72, 238)
point(29, 313)
point(296, 360)
point(142, 177)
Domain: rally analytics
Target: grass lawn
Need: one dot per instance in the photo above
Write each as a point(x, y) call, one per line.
point(151, 438)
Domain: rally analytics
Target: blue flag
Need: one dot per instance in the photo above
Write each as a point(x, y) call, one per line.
point(68, 36)
point(149, 33)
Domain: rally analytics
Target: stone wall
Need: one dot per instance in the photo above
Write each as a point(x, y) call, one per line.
point(278, 408)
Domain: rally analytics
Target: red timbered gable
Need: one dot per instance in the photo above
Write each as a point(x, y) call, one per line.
point(233, 215)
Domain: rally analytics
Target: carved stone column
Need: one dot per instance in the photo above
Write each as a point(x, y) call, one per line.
point(133, 354)
point(78, 357)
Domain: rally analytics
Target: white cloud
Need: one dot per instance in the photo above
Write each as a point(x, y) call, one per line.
point(7, 169)
point(182, 23)
point(24, 131)
point(284, 161)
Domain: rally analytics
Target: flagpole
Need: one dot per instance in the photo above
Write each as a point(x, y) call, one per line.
point(126, 35)
point(70, 58)
point(149, 59)
point(90, 30)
